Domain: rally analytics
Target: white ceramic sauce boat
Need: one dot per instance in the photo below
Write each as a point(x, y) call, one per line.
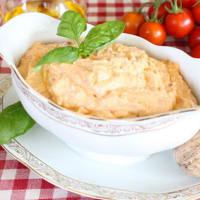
point(125, 140)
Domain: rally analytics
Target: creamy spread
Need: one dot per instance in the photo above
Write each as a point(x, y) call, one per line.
point(117, 82)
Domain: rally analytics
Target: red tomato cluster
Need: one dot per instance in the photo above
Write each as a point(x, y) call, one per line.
point(177, 18)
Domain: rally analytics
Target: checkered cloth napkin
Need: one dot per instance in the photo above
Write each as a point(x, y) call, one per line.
point(16, 181)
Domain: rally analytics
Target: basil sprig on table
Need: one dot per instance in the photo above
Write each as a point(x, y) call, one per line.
point(14, 121)
point(72, 25)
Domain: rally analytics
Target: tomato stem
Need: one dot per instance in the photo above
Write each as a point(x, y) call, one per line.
point(154, 15)
point(143, 5)
point(175, 8)
point(198, 2)
point(156, 5)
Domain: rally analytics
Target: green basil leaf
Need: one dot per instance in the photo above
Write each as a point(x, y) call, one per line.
point(101, 35)
point(14, 121)
point(72, 26)
point(67, 54)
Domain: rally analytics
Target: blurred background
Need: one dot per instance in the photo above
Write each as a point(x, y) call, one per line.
point(54, 8)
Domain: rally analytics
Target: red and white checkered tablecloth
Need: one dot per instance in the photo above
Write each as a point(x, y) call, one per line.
point(16, 181)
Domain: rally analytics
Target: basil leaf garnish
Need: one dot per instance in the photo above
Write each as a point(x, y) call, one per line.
point(72, 26)
point(101, 35)
point(14, 121)
point(67, 54)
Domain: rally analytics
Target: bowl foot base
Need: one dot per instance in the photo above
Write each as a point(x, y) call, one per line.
point(112, 159)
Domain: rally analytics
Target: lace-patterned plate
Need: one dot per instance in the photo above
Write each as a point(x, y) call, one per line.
point(156, 178)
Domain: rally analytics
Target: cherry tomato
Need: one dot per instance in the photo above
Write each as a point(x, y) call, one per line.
point(196, 13)
point(162, 12)
point(153, 32)
point(179, 25)
point(194, 38)
point(196, 52)
point(187, 3)
point(188, 12)
point(133, 21)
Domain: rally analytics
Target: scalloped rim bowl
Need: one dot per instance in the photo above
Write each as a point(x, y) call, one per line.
point(131, 139)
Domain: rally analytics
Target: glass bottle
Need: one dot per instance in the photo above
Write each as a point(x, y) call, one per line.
point(54, 8)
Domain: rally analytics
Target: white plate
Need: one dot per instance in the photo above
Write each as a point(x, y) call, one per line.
point(158, 177)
